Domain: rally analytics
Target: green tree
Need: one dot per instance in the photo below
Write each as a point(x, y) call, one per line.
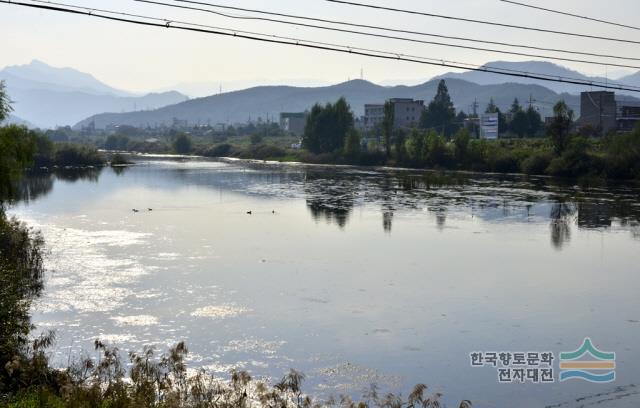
point(255, 139)
point(17, 147)
point(399, 140)
point(5, 102)
point(461, 146)
point(440, 114)
point(491, 107)
point(352, 144)
point(182, 144)
point(515, 106)
point(519, 123)
point(327, 126)
point(534, 121)
point(116, 142)
point(415, 146)
point(558, 129)
point(387, 126)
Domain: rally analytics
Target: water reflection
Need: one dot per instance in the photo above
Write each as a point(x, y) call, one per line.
point(320, 282)
point(331, 194)
point(329, 199)
point(562, 213)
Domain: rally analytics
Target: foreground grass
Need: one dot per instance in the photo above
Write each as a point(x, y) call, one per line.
point(146, 379)
point(165, 382)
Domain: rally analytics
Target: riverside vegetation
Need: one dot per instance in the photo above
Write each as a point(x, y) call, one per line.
point(440, 141)
point(146, 379)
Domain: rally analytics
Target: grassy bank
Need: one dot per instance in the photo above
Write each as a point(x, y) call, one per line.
point(614, 157)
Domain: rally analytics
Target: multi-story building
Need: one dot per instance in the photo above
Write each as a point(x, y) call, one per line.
point(628, 115)
point(603, 111)
point(598, 109)
point(373, 116)
point(406, 112)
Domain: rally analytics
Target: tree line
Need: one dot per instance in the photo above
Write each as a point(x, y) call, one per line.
point(442, 141)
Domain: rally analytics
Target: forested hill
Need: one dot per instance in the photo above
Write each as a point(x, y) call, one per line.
point(269, 101)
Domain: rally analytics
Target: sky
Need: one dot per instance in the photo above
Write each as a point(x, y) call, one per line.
point(142, 59)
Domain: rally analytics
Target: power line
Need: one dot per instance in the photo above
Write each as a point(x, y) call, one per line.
point(564, 13)
point(492, 23)
point(305, 44)
point(395, 30)
point(394, 54)
point(467, 47)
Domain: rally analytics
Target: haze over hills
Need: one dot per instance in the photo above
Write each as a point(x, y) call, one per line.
point(539, 67)
point(47, 96)
point(268, 101)
point(465, 88)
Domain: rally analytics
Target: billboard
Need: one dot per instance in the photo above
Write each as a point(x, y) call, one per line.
point(489, 125)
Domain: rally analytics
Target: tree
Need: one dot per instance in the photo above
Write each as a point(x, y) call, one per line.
point(440, 114)
point(519, 123)
point(255, 139)
point(534, 121)
point(17, 147)
point(415, 146)
point(182, 144)
point(399, 139)
point(327, 127)
point(5, 102)
point(387, 126)
point(491, 107)
point(515, 106)
point(116, 142)
point(558, 129)
point(352, 144)
point(461, 146)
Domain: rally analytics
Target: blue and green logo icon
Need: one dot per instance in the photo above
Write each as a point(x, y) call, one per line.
point(588, 363)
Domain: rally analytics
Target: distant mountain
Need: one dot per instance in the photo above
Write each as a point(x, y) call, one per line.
point(41, 76)
point(15, 120)
point(47, 96)
point(538, 67)
point(633, 79)
point(269, 101)
point(202, 89)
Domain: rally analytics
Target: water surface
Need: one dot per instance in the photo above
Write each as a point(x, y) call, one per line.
point(354, 276)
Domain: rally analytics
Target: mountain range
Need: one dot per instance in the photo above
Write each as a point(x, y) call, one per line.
point(47, 96)
point(267, 102)
point(540, 67)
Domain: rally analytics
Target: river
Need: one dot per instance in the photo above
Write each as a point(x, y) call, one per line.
point(353, 276)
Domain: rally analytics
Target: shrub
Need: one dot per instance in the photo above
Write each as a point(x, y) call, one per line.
point(182, 144)
point(537, 163)
point(119, 160)
point(76, 155)
point(220, 150)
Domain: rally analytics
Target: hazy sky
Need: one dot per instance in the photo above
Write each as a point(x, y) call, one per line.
point(144, 58)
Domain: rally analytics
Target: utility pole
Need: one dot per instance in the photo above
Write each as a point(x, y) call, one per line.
point(475, 107)
point(600, 109)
